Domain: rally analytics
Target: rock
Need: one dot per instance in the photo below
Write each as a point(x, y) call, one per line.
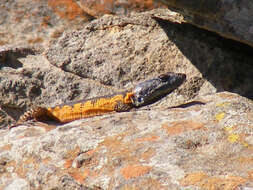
point(194, 138)
point(33, 81)
point(119, 7)
point(230, 19)
point(202, 146)
point(120, 50)
point(114, 53)
point(38, 21)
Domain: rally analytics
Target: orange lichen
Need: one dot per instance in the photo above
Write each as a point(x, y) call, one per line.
point(47, 160)
point(68, 163)
point(149, 138)
point(131, 171)
point(250, 175)
point(5, 147)
point(22, 168)
point(175, 128)
point(147, 154)
point(80, 175)
point(205, 182)
point(193, 178)
point(68, 9)
point(92, 151)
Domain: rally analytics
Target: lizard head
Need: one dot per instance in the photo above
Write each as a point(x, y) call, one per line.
point(152, 90)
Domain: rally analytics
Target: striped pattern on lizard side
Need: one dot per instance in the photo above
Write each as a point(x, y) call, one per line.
point(64, 113)
point(142, 94)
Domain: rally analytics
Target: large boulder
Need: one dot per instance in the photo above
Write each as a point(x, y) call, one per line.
point(231, 19)
point(196, 137)
point(200, 146)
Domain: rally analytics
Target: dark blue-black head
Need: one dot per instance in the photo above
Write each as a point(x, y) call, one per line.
point(152, 90)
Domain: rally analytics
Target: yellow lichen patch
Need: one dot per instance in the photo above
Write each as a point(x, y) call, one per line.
point(219, 116)
point(223, 104)
point(245, 144)
point(205, 182)
point(175, 128)
point(233, 138)
point(229, 128)
point(132, 171)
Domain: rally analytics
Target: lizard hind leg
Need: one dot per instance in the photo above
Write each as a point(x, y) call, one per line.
point(35, 114)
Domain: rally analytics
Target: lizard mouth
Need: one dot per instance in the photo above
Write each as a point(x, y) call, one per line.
point(154, 89)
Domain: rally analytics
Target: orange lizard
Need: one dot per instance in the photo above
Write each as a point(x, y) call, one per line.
point(142, 94)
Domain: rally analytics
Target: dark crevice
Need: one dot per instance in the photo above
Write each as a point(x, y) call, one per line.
point(229, 66)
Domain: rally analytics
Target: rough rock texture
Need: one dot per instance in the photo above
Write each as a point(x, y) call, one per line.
point(229, 18)
point(194, 138)
point(119, 7)
point(35, 22)
point(118, 50)
point(202, 146)
point(33, 81)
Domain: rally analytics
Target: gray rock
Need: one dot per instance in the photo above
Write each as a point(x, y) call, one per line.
point(194, 138)
point(36, 82)
point(197, 147)
point(38, 21)
point(17, 184)
point(229, 18)
point(118, 51)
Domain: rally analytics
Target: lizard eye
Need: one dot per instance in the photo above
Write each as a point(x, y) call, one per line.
point(140, 99)
point(164, 77)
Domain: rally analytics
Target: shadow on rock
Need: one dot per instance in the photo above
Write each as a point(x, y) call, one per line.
point(225, 63)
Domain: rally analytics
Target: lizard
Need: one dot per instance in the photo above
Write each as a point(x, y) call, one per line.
point(142, 94)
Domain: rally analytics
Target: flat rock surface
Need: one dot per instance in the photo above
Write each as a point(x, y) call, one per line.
point(202, 146)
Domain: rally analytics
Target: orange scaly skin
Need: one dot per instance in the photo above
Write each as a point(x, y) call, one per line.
point(92, 107)
point(82, 109)
point(142, 94)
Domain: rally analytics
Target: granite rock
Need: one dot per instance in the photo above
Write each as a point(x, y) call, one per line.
point(229, 18)
point(202, 146)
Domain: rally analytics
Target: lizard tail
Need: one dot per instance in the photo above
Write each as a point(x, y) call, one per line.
point(33, 114)
point(36, 113)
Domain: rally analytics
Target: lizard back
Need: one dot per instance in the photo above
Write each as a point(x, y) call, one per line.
point(91, 107)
